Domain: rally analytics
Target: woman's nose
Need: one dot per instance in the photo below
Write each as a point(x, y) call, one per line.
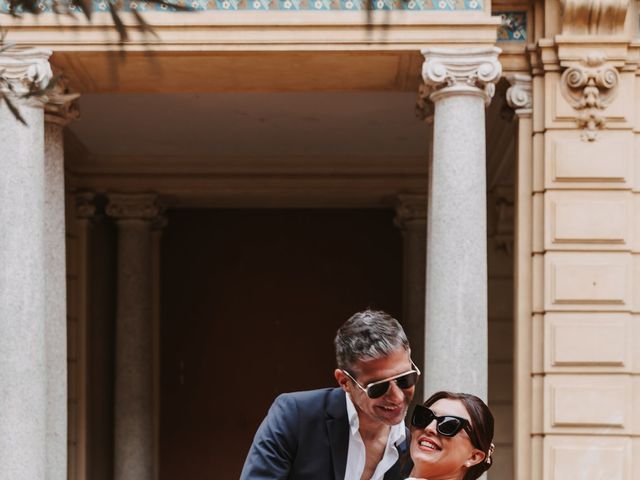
point(431, 428)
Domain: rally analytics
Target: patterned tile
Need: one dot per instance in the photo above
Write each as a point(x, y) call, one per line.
point(282, 5)
point(513, 27)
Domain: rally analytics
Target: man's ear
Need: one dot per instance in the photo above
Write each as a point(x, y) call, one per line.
point(341, 378)
point(475, 457)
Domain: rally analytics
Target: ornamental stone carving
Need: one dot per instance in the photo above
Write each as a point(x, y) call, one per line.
point(460, 71)
point(85, 205)
point(590, 87)
point(136, 206)
point(593, 17)
point(24, 68)
point(61, 106)
point(410, 208)
point(519, 94)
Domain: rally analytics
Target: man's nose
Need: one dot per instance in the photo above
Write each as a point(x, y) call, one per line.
point(395, 392)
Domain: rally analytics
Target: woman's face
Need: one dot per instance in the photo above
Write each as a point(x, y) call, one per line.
point(437, 457)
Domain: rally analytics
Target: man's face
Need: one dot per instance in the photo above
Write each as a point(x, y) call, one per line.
point(389, 409)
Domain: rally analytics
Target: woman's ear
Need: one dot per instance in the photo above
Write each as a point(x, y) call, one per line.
point(475, 457)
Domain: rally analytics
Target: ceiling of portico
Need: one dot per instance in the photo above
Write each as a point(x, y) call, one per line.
point(202, 143)
point(368, 145)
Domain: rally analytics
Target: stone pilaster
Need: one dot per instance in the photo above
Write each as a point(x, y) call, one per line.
point(134, 215)
point(24, 278)
point(411, 219)
point(58, 112)
point(460, 82)
point(519, 97)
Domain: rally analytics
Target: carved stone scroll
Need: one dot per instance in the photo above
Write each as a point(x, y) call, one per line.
point(590, 87)
point(593, 17)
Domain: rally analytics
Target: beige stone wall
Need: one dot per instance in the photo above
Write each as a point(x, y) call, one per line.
point(584, 333)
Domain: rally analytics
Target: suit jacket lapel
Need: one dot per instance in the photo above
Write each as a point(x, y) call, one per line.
point(338, 428)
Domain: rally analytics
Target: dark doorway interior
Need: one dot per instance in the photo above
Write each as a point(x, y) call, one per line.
point(251, 300)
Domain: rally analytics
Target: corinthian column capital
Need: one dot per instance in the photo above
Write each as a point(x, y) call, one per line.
point(23, 67)
point(136, 206)
point(519, 94)
point(451, 71)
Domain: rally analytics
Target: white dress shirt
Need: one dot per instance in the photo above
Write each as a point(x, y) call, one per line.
point(356, 454)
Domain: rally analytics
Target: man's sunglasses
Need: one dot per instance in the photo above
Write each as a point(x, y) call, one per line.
point(447, 425)
point(378, 389)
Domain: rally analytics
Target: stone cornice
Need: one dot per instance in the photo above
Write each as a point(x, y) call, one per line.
point(593, 17)
point(24, 67)
point(451, 71)
point(61, 107)
point(411, 209)
point(136, 206)
point(519, 94)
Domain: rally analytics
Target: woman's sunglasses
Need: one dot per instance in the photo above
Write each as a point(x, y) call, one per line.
point(377, 389)
point(447, 425)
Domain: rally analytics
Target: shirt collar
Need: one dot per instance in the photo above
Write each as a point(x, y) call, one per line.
point(397, 434)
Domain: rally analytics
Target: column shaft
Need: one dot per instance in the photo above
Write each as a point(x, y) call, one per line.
point(56, 302)
point(23, 267)
point(133, 385)
point(456, 329)
point(23, 369)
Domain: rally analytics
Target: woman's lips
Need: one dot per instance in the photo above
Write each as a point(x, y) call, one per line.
point(428, 444)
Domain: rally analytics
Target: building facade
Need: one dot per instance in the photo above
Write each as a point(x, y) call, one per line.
point(189, 215)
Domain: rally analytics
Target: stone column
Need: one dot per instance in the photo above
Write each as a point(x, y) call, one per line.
point(460, 82)
point(411, 218)
point(59, 111)
point(23, 266)
point(134, 215)
point(519, 98)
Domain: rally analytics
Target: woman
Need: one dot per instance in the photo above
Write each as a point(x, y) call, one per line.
point(451, 437)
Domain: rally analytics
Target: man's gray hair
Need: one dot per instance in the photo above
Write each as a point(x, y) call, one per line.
point(366, 335)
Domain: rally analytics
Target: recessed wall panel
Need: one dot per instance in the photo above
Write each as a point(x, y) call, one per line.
point(588, 404)
point(586, 281)
point(571, 162)
point(587, 220)
point(589, 342)
point(600, 458)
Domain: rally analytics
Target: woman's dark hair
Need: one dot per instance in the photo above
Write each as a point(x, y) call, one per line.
point(481, 427)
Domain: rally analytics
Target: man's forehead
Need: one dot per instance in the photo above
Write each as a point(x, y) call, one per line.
point(378, 368)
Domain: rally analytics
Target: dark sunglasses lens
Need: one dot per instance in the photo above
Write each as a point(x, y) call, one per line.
point(449, 426)
point(408, 380)
point(377, 390)
point(421, 417)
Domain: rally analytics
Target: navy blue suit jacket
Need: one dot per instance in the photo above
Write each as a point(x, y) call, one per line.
point(305, 436)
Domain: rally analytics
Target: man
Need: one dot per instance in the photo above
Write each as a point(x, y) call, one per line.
point(353, 432)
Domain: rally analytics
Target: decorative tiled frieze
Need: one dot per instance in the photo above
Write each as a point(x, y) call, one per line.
point(280, 5)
